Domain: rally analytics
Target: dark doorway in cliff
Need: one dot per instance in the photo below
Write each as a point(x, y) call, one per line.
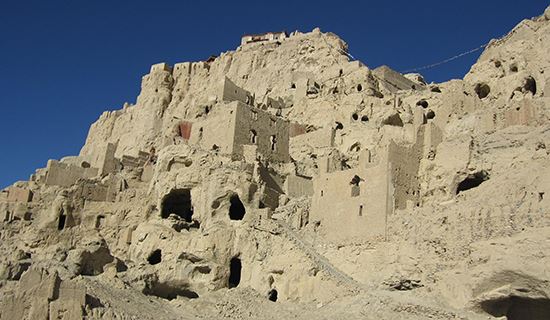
point(236, 208)
point(178, 202)
point(530, 85)
point(61, 221)
point(234, 272)
point(518, 308)
point(472, 181)
point(155, 257)
point(272, 295)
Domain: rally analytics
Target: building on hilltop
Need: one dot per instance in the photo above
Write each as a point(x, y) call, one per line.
point(269, 36)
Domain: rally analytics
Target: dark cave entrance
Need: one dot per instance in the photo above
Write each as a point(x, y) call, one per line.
point(236, 208)
point(472, 181)
point(61, 221)
point(482, 90)
point(518, 308)
point(178, 202)
point(155, 257)
point(272, 295)
point(235, 267)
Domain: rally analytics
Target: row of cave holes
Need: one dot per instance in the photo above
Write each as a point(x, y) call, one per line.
point(529, 84)
point(178, 202)
point(235, 268)
point(355, 117)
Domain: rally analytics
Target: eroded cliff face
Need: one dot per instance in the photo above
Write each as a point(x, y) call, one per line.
point(285, 180)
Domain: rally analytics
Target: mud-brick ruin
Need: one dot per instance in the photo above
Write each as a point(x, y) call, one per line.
point(286, 180)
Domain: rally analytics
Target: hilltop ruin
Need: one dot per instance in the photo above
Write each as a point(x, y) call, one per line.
point(285, 180)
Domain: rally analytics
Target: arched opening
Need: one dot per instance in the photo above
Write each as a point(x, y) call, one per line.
point(155, 257)
point(472, 181)
point(355, 116)
point(234, 272)
point(61, 221)
point(339, 126)
point(292, 86)
point(272, 295)
point(85, 164)
point(359, 88)
point(236, 208)
point(361, 210)
point(482, 90)
point(365, 118)
point(530, 85)
point(253, 136)
point(178, 202)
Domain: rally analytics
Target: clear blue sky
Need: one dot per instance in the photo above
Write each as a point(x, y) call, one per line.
point(62, 63)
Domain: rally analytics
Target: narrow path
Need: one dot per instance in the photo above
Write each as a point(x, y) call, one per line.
point(408, 305)
point(320, 261)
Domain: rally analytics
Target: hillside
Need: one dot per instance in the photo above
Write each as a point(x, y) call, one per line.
point(286, 180)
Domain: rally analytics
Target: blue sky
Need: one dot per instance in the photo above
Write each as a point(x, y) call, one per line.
point(62, 63)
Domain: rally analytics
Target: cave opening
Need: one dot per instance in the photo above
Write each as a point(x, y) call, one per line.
point(178, 202)
point(430, 114)
point(530, 85)
point(155, 257)
point(272, 295)
point(235, 267)
point(61, 221)
point(422, 103)
point(518, 308)
point(482, 90)
point(472, 181)
point(236, 208)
